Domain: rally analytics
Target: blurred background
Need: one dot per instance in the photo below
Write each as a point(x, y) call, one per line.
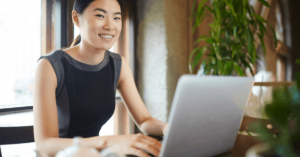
point(156, 40)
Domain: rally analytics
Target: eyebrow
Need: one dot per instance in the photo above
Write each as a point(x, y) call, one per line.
point(99, 9)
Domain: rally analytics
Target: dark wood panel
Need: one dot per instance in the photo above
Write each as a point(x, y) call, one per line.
point(15, 109)
point(15, 135)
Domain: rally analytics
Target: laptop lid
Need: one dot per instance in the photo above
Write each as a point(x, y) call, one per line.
point(206, 115)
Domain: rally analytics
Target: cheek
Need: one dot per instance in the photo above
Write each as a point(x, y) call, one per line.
point(91, 28)
point(93, 31)
point(119, 28)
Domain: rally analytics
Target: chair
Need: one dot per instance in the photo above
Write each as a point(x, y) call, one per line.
point(16, 135)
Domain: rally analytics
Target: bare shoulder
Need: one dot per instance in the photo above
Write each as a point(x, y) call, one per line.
point(125, 70)
point(45, 72)
point(125, 66)
point(44, 66)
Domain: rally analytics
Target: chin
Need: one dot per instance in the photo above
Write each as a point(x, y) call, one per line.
point(104, 47)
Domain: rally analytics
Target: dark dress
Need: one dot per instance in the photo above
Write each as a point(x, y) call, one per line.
point(85, 94)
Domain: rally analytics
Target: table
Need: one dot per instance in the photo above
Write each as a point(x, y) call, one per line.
point(242, 143)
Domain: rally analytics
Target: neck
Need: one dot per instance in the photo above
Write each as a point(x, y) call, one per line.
point(90, 54)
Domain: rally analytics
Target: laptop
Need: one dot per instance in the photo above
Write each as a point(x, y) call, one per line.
point(206, 115)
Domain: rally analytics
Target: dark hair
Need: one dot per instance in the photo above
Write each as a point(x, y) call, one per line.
point(80, 6)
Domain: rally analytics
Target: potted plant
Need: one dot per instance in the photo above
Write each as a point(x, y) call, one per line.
point(284, 113)
point(231, 40)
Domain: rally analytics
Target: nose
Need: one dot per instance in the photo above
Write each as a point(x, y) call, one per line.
point(108, 25)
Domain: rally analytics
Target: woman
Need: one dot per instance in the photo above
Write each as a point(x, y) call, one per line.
point(74, 88)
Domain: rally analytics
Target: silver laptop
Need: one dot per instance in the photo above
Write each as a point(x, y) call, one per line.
point(206, 115)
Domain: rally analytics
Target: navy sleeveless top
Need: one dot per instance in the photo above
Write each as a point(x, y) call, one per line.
point(85, 94)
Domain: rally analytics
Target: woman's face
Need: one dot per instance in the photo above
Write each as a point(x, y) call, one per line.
point(101, 23)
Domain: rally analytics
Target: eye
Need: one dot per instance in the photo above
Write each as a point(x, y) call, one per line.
point(117, 18)
point(100, 15)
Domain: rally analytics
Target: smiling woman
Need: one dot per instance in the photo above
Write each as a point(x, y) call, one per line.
point(74, 88)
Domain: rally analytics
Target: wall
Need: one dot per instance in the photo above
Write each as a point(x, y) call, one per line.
point(162, 52)
point(177, 32)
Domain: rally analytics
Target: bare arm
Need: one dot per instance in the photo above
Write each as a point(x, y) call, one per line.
point(135, 105)
point(46, 132)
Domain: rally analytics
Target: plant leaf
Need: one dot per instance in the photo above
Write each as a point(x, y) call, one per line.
point(235, 34)
point(262, 41)
point(193, 7)
point(231, 9)
point(200, 6)
point(248, 133)
point(202, 18)
point(249, 41)
point(258, 17)
point(227, 68)
point(265, 3)
point(251, 70)
point(198, 57)
point(210, 40)
point(199, 15)
point(210, 10)
point(262, 28)
point(251, 7)
point(238, 69)
point(191, 57)
point(226, 58)
point(200, 39)
point(274, 34)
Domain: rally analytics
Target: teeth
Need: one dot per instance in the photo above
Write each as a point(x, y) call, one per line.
point(106, 36)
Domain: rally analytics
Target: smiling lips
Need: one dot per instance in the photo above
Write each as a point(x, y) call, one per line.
point(106, 36)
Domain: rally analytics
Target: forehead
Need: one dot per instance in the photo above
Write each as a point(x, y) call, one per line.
point(110, 6)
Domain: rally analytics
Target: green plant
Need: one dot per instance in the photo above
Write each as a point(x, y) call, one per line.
point(231, 41)
point(284, 114)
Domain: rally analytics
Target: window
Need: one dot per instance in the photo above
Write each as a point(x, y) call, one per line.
point(20, 29)
point(20, 44)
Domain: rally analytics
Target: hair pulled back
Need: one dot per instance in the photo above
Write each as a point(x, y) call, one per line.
point(80, 6)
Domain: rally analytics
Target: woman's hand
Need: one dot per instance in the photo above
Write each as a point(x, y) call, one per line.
point(136, 144)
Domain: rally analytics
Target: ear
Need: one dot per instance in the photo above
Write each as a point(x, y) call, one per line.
point(75, 18)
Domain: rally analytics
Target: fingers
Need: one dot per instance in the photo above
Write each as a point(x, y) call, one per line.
point(136, 152)
point(147, 147)
point(151, 141)
point(148, 140)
